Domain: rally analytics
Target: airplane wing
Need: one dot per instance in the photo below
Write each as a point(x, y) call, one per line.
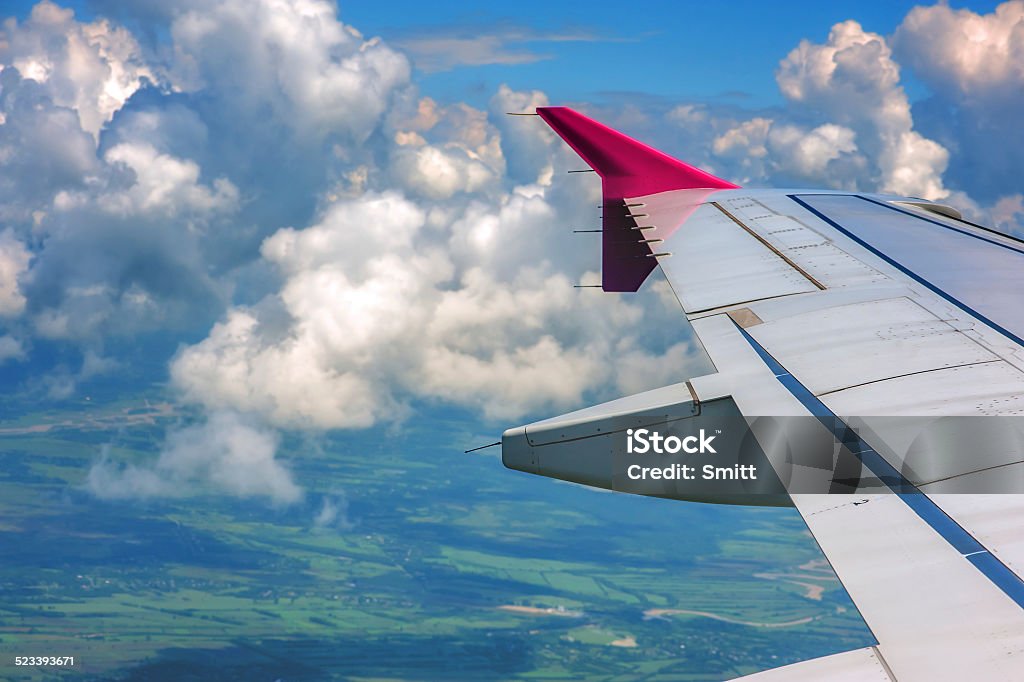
point(868, 316)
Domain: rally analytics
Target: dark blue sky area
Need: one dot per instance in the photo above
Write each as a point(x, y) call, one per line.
point(596, 51)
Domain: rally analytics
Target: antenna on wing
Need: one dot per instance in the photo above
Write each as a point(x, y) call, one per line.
point(482, 447)
point(524, 113)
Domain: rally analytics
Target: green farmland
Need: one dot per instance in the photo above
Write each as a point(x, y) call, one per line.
point(439, 566)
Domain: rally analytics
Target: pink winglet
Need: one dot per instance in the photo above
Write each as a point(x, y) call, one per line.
point(628, 169)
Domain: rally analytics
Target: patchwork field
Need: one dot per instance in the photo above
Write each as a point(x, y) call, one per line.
point(436, 565)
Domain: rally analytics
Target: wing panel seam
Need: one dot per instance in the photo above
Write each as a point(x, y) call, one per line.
point(911, 374)
point(882, 662)
point(770, 246)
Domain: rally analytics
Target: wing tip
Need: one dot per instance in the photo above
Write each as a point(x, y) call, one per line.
point(629, 167)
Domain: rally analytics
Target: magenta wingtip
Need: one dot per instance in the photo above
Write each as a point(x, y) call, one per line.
point(629, 167)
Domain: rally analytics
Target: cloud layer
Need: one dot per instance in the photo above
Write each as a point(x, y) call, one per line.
point(262, 182)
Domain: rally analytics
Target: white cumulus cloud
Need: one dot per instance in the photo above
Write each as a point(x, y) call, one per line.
point(976, 55)
point(854, 80)
point(973, 65)
point(14, 259)
point(226, 452)
point(92, 68)
point(292, 59)
point(380, 307)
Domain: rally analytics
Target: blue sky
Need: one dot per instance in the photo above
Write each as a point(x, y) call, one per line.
point(690, 50)
point(716, 51)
